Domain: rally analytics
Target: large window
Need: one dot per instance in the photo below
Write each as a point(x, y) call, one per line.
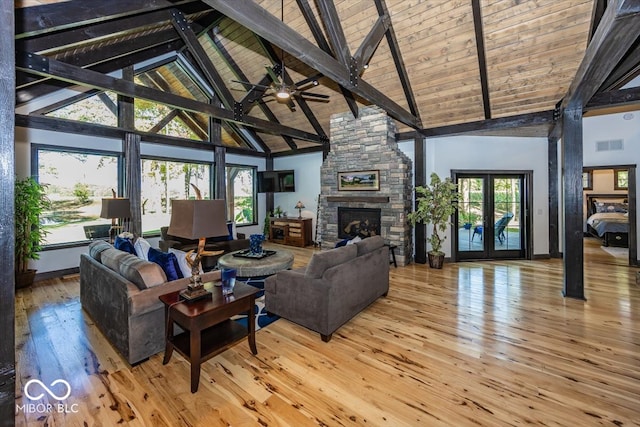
point(241, 194)
point(620, 179)
point(76, 182)
point(163, 180)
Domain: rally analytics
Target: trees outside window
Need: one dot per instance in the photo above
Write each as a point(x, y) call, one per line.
point(620, 179)
point(75, 182)
point(164, 180)
point(241, 194)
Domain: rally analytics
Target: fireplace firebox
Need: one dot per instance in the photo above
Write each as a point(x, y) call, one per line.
point(363, 222)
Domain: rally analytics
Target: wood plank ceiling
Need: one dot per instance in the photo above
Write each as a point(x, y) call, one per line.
point(433, 64)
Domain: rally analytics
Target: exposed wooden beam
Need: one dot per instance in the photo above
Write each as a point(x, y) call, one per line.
point(554, 199)
point(41, 65)
point(165, 121)
point(520, 120)
point(573, 245)
point(625, 71)
point(370, 43)
point(206, 67)
point(7, 212)
point(108, 103)
point(83, 128)
point(611, 41)
point(392, 41)
point(322, 42)
point(122, 25)
point(482, 59)
point(337, 39)
point(50, 18)
point(614, 98)
point(269, 27)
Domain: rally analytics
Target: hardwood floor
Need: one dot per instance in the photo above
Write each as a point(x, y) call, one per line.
point(488, 343)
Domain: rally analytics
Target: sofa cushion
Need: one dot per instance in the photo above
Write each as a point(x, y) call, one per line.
point(124, 245)
point(97, 247)
point(369, 244)
point(144, 274)
point(321, 261)
point(112, 257)
point(168, 262)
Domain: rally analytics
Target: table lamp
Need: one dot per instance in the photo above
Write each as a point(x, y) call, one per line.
point(300, 206)
point(115, 208)
point(197, 219)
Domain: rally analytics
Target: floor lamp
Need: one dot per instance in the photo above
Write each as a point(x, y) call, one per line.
point(115, 208)
point(197, 219)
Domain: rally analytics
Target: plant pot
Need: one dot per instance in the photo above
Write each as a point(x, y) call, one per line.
point(24, 279)
point(435, 260)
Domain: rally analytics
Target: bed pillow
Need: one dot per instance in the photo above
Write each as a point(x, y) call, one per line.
point(603, 207)
point(168, 262)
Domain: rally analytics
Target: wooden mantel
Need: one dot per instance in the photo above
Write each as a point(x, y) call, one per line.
point(359, 199)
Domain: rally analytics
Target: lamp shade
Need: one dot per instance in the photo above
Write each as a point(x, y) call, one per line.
point(300, 205)
point(115, 208)
point(194, 219)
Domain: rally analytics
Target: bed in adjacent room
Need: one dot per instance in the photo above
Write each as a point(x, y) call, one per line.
point(608, 218)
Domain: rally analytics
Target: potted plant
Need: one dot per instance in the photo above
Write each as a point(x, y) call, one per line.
point(435, 203)
point(30, 202)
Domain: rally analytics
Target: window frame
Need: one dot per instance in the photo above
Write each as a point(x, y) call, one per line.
point(589, 175)
point(211, 187)
point(35, 169)
point(616, 182)
point(254, 191)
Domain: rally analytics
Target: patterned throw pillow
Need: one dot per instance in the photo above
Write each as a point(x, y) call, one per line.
point(602, 207)
point(168, 262)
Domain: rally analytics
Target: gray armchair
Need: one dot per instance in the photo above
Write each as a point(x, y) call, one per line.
point(335, 286)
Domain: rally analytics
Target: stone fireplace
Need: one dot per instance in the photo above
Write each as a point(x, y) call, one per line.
point(366, 144)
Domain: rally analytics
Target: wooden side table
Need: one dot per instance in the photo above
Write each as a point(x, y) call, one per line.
point(207, 324)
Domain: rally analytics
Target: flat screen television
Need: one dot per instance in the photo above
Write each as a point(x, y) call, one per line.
point(276, 181)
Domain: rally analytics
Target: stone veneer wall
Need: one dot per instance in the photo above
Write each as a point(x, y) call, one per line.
point(367, 143)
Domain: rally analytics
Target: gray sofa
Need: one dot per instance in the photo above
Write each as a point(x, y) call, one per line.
point(120, 291)
point(335, 286)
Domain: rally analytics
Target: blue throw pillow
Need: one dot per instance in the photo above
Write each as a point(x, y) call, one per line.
point(168, 262)
point(124, 245)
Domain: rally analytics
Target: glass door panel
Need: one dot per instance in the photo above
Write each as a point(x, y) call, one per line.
point(470, 214)
point(507, 205)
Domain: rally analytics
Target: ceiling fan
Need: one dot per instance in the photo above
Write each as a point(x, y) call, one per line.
point(284, 92)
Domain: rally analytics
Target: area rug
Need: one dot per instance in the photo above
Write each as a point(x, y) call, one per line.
point(262, 318)
point(616, 252)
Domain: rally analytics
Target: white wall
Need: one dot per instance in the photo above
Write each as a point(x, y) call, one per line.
point(625, 126)
point(445, 154)
point(307, 175)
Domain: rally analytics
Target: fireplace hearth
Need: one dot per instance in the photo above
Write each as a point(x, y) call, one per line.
point(362, 222)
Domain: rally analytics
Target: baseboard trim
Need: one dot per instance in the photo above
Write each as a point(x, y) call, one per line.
point(541, 256)
point(56, 273)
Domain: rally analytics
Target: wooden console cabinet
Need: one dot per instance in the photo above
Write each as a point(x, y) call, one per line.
point(291, 231)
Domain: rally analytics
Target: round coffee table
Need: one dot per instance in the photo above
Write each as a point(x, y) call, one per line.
point(251, 267)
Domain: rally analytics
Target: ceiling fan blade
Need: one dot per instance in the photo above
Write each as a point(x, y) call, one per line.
point(272, 74)
point(252, 85)
point(315, 95)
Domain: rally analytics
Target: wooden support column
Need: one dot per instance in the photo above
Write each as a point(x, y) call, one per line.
point(7, 206)
point(573, 247)
point(220, 160)
point(420, 179)
point(269, 196)
point(554, 197)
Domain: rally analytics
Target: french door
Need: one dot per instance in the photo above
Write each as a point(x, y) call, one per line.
point(492, 217)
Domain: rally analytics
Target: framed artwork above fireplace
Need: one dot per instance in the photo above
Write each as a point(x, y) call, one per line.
point(359, 181)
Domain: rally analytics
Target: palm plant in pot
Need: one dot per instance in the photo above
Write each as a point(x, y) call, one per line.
point(30, 202)
point(435, 203)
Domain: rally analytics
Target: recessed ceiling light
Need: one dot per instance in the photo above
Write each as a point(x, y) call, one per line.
point(628, 116)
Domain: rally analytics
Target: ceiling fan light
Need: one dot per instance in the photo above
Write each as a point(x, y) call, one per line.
point(282, 94)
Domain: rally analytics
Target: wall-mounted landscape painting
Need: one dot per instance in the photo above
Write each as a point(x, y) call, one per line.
point(360, 181)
